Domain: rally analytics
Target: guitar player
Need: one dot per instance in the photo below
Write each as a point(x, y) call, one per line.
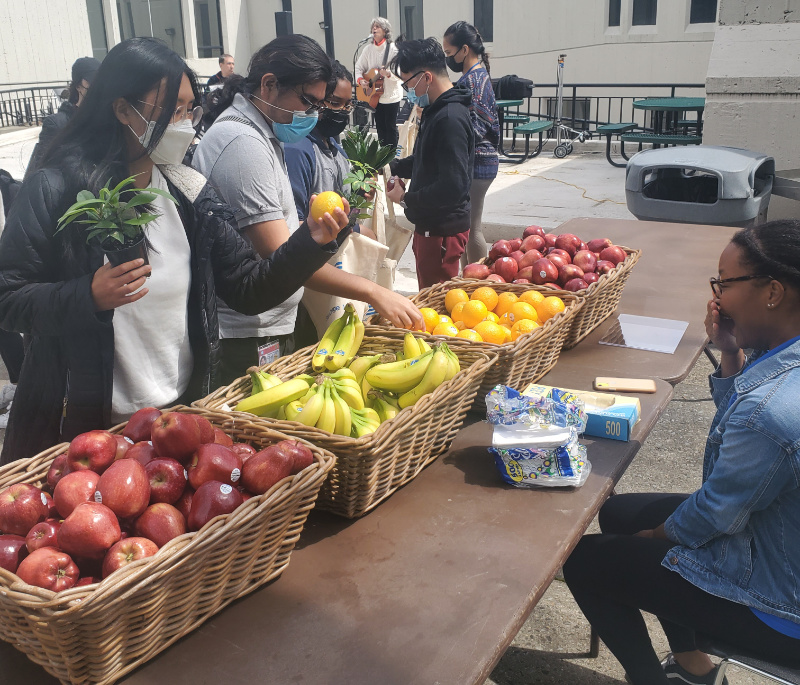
point(376, 55)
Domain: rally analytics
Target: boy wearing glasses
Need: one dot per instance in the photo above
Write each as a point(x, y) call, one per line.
point(440, 168)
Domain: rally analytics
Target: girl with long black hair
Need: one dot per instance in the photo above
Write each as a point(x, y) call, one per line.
point(105, 340)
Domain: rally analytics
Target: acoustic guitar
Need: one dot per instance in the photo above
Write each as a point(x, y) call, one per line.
point(371, 92)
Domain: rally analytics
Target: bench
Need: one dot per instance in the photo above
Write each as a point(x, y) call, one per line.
point(609, 130)
point(528, 129)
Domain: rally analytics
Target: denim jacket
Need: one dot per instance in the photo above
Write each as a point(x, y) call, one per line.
point(739, 535)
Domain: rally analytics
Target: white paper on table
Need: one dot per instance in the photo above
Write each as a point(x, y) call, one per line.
point(520, 435)
point(645, 333)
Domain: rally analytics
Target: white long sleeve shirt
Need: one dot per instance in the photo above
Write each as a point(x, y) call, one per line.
point(372, 57)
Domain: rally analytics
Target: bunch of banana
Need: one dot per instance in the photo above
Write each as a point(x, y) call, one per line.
point(261, 380)
point(269, 401)
point(364, 422)
point(340, 343)
point(413, 347)
point(384, 405)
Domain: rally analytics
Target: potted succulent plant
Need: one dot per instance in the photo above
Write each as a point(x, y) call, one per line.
point(115, 219)
point(367, 157)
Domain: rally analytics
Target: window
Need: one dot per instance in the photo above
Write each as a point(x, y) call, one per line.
point(97, 28)
point(484, 19)
point(209, 28)
point(156, 18)
point(644, 12)
point(614, 12)
point(703, 12)
point(411, 25)
point(382, 8)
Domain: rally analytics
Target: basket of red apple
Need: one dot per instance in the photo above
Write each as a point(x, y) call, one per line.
point(596, 271)
point(117, 544)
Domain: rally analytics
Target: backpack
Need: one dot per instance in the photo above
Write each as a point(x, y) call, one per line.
point(512, 87)
point(8, 189)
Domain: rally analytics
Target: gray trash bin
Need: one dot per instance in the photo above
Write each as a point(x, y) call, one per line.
point(703, 184)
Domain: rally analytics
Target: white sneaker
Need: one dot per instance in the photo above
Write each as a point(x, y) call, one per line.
point(7, 394)
point(4, 418)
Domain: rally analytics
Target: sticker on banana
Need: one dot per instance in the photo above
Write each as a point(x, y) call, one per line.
point(328, 343)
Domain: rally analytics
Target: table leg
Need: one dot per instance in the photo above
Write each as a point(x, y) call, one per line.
point(608, 152)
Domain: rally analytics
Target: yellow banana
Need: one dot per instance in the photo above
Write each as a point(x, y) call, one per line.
point(364, 422)
point(360, 365)
point(385, 408)
point(312, 409)
point(423, 346)
point(261, 380)
point(343, 418)
point(399, 376)
point(293, 410)
point(341, 374)
point(410, 346)
point(433, 378)
point(360, 329)
point(272, 399)
point(338, 356)
point(453, 365)
point(350, 392)
point(328, 343)
point(281, 413)
point(327, 418)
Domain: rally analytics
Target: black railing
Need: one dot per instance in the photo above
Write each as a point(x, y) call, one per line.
point(28, 106)
point(585, 107)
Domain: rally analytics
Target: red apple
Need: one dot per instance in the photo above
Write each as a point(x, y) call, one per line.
point(568, 242)
point(591, 277)
point(529, 258)
point(496, 278)
point(558, 259)
point(549, 240)
point(213, 499)
point(533, 242)
point(176, 436)
point(123, 445)
point(214, 462)
point(245, 494)
point(599, 244)
point(613, 254)
point(604, 267)
point(544, 271)
point(73, 489)
point(126, 552)
point(143, 452)
point(517, 255)
point(302, 457)
point(140, 424)
point(222, 438)
point(502, 248)
point(86, 580)
point(184, 503)
point(523, 281)
point(167, 480)
point(44, 534)
point(12, 551)
point(58, 469)
point(568, 273)
point(525, 274)
point(479, 271)
point(552, 286)
point(563, 253)
point(89, 531)
point(244, 450)
point(585, 260)
point(50, 569)
point(582, 246)
point(160, 522)
point(124, 488)
point(507, 268)
point(266, 468)
point(52, 511)
point(575, 284)
point(206, 429)
point(92, 451)
point(533, 230)
point(22, 506)
point(516, 244)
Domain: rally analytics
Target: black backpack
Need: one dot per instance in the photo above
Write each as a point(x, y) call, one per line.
point(8, 189)
point(512, 87)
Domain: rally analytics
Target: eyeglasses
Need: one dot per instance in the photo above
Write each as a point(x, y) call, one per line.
point(339, 106)
point(312, 107)
point(182, 113)
point(716, 283)
point(404, 84)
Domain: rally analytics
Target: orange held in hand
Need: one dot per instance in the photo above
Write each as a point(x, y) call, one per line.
point(325, 202)
point(431, 318)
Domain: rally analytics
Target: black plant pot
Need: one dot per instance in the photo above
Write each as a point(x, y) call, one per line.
point(128, 252)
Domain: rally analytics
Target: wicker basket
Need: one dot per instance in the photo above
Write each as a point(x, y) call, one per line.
point(600, 299)
point(526, 359)
point(98, 633)
point(371, 468)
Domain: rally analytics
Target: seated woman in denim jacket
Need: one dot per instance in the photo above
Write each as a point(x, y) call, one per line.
point(723, 562)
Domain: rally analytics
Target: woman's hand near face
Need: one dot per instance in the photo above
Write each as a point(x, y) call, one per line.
point(326, 230)
point(720, 332)
point(112, 285)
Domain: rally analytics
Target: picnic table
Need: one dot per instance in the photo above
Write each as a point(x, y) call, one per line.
point(522, 126)
point(667, 122)
point(433, 585)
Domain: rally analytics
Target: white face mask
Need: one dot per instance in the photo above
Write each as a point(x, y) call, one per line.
point(173, 144)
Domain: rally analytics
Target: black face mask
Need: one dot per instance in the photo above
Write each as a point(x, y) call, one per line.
point(452, 65)
point(332, 122)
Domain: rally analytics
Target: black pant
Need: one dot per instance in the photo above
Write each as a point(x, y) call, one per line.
point(614, 576)
point(13, 352)
point(386, 123)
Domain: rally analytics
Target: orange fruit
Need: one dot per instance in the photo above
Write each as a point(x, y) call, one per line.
point(491, 332)
point(486, 295)
point(507, 319)
point(469, 334)
point(325, 202)
point(504, 302)
point(523, 327)
point(446, 329)
point(549, 307)
point(523, 310)
point(443, 318)
point(474, 312)
point(507, 332)
point(431, 318)
point(460, 325)
point(531, 297)
point(491, 316)
point(455, 315)
point(454, 297)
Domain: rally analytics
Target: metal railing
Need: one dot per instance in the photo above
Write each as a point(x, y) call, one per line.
point(28, 106)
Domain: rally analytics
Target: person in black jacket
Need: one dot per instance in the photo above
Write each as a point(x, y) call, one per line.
point(441, 166)
point(55, 288)
point(83, 72)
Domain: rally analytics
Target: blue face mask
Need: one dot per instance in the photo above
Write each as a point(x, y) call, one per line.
point(302, 124)
point(419, 100)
